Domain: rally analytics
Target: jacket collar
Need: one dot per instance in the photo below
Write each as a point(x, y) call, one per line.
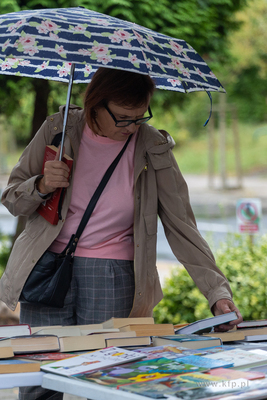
point(150, 140)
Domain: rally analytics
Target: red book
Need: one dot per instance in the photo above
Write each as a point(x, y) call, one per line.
point(47, 356)
point(49, 208)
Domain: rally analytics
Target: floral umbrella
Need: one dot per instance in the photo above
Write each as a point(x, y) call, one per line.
point(45, 43)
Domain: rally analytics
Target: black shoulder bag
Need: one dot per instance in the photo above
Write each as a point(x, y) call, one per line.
point(50, 279)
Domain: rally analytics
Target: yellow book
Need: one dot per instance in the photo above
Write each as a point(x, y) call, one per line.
point(31, 344)
point(119, 322)
point(149, 329)
point(6, 352)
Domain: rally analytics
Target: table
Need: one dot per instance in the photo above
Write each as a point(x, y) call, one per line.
point(86, 389)
point(99, 392)
point(8, 381)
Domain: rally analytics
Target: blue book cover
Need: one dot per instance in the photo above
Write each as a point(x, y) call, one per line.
point(205, 362)
point(179, 337)
point(206, 325)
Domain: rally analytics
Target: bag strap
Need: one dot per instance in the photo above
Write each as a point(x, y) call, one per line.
point(57, 139)
point(71, 247)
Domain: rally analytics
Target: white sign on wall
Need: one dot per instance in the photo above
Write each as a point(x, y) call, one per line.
point(248, 215)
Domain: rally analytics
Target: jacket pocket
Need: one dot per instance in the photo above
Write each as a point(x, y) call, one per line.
point(160, 161)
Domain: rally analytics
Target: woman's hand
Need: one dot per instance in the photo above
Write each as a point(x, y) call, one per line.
point(56, 174)
point(225, 306)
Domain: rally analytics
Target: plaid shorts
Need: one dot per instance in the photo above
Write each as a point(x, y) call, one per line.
point(100, 289)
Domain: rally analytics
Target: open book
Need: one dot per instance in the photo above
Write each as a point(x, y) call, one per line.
point(207, 325)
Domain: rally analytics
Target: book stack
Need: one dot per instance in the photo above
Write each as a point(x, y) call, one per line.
point(23, 339)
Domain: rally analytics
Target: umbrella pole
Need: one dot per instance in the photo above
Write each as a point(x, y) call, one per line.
point(66, 113)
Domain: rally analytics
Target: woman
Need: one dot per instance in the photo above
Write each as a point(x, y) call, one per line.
point(115, 270)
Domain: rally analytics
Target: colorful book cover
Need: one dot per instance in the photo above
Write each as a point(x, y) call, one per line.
point(158, 388)
point(170, 385)
point(214, 349)
point(173, 352)
point(234, 374)
point(167, 351)
point(195, 377)
point(240, 358)
point(205, 362)
point(139, 371)
point(91, 361)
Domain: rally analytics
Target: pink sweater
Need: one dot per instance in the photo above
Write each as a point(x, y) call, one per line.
point(109, 232)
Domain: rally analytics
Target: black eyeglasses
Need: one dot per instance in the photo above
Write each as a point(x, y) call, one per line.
point(128, 122)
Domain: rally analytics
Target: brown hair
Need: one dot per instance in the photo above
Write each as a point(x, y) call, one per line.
point(121, 87)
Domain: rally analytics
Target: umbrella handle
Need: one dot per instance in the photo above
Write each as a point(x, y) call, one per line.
point(66, 113)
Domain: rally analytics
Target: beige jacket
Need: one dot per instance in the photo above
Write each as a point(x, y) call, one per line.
point(159, 190)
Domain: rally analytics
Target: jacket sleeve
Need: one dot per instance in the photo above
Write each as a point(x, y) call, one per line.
point(20, 196)
point(181, 231)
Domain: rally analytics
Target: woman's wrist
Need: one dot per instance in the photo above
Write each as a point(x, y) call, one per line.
point(40, 187)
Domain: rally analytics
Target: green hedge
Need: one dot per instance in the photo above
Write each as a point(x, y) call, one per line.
point(5, 243)
point(243, 263)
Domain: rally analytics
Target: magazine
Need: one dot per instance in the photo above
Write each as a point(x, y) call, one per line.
point(87, 362)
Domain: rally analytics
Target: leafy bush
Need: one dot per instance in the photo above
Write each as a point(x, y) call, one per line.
point(5, 244)
point(243, 263)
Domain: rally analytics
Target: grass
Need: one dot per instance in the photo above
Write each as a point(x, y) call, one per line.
point(192, 156)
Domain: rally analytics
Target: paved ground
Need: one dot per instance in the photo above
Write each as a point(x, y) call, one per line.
point(213, 201)
point(217, 201)
point(207, 202)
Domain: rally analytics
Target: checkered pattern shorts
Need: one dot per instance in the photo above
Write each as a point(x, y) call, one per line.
point(100, 289)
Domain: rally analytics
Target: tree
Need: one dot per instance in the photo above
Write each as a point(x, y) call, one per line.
point(246, 74)
point(249, 43)
point(205, 24)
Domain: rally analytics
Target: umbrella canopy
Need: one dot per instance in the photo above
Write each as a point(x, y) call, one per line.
point(44, 43)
